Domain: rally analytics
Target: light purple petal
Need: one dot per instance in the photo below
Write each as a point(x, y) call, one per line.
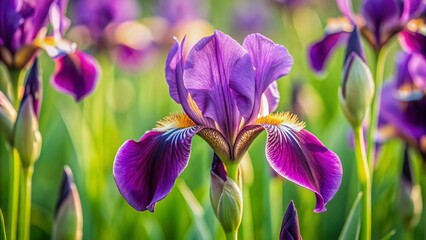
point(320, 51)
point(270, 61)
point(272, 96)
point(413, 42)
point(301, 158)
point(219, 76)
point(76, 74)
point(145, 171)
point(345, 7)
point(40, 18)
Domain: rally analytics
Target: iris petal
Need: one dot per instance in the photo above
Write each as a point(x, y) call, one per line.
point(270, 61)
point(219, 76)
point(76, 74)
point(320, 51)
point(290, 225)
point(413, 42)
point(299, 156)
point(145, 171)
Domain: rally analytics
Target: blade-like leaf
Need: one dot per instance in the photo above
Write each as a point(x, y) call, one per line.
point(388, 235)
point(352, 224)
point(2, 229)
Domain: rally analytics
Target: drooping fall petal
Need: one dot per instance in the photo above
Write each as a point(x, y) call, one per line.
point(76, 74)
point(299, 156)
point(146, 170)
point(320, 51)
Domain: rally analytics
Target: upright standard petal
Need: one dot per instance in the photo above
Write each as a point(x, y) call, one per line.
point(76, 74)
point(290, 225)
point(345, 7)
point(219, 76)
point(9, 21)
point(270, 62)
point(319, 52)
point(146, 170)
point(299, 156)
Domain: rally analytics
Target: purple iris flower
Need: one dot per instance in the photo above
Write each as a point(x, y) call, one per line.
point(227, 93)
point(290, 225)
point(23, 31)
point(377, 26)
point(404, 103)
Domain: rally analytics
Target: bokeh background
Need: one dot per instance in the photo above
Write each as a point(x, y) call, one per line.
point(130, 99)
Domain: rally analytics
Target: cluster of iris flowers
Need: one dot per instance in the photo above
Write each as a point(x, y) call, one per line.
point(229, 95)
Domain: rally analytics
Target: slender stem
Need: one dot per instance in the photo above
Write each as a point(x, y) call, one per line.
point(16, 77)
point(365, 181)
point(232, 235)
point(15, 166)
point(232, 172)
point(375, 105)
point(25, 204)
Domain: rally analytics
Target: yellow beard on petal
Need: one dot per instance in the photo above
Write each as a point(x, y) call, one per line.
point(283, 118)
point(172, 121)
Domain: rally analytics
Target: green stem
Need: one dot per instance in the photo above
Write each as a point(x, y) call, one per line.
point(232, 235)
point(15, 166)
point(365, 181)
point(232, 172)
point(25, 204)
point(375, 105)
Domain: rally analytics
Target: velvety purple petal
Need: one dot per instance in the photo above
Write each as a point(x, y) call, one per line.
point(413, 42)
point(145, 171)
point(300, 157)
point(9, 21)
point(290, 225)
point(270, 61)
point(319, 52)
point(219, 76)
point(76, 74)
point(380, 21)
point(354, 45)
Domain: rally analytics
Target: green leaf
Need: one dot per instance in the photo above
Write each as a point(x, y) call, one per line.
point(388, 235)
point(2, 229)
point(352, 224)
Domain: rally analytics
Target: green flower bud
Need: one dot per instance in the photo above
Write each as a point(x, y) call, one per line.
point(7, 118)
point(27, 137)
point(357, 90)
point(68, 215)
point(226, 198)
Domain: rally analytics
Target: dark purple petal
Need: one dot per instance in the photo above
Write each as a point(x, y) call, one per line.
point(145, 171)
point(290, 225)
point(33, 87)
point(412, 9)
point(76, 74)
point(300, 157)
point(9, 21)
point(270, 61)
point(219, 76)
point(413, 42)
point(354, 45)
point(320, 51)
point(383, 20)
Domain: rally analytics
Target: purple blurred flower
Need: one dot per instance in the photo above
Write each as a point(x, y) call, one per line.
point(377, 27)
point(23, 31)
point(252, 17)
point(290, 225)
point(112, 26)
point(223, 89)
point(404, 103)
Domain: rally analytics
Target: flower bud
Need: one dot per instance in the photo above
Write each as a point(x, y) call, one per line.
point(226, 198)
point(410, 197)
point(27, 138)
point(357, 90)
point(290, 225)
point(7, 118)
point(68, 215)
